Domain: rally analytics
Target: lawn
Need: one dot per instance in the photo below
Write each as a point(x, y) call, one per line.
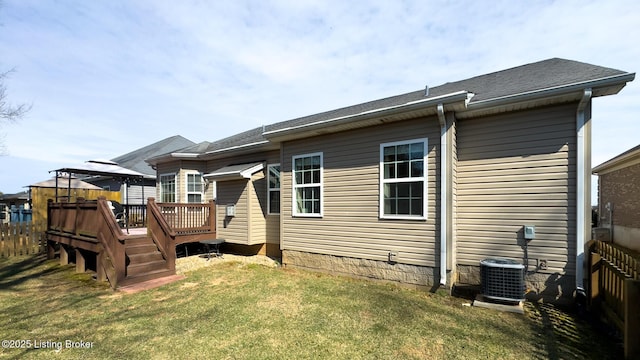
point(235, 311)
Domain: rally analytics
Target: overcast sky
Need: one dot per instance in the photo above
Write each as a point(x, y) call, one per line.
point(108, 77)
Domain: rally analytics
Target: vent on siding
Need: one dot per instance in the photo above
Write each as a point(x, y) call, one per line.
point(502, 279)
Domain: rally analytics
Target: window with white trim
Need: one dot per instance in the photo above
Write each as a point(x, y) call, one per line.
point(194, 188)
point(307, 185)
point(273, 190)
point(403, 179)
point(168, 188)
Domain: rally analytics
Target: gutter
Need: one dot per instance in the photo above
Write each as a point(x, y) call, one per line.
point(444, 204)
point(231, 148)
point(581, 173)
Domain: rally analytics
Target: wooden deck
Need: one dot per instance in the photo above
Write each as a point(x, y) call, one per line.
point(126, 256)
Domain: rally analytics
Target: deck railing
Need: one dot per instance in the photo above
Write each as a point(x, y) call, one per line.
point(136, 215)
point(614, 278)
point(90, 226)
point(161, 233)
point(189, 218)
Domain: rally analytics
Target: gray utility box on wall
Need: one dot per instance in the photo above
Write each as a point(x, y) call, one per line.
point(502, 279)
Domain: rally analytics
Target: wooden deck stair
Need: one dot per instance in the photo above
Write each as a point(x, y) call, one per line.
point(144, 261)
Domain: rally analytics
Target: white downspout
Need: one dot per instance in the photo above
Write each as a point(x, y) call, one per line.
point(443, 195)
point(580, 188)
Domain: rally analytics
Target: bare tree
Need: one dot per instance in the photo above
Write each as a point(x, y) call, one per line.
point(8, 113)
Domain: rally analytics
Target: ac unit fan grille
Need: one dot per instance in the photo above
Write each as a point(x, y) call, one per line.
point(502, 279)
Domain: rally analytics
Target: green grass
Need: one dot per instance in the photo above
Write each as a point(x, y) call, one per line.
point(230, 311)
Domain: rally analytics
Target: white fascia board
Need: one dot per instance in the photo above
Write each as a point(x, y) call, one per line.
point(185, 155)
point(167, 157)
point(238, 175)
point(250, 171)
point(237, 147)
point(428, 102)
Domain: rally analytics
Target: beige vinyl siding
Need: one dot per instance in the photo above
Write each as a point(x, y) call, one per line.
point(233, 229)
point(251, 225)
point(514, 170)
point(257, 192)
point(350, 225)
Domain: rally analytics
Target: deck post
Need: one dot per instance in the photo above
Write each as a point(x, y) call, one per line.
point(51, 250)
point(631, 319)
point(101, 274)
point(212, 215)
point(81, 264)
point(64, 255)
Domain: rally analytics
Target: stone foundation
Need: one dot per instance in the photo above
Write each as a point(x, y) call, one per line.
point(554, 288)
point(414, 275)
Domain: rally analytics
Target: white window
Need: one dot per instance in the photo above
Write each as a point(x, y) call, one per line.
point(273, 191)
point(194, 188)
point(307, 185)
point(168, 188)
point(403, 179)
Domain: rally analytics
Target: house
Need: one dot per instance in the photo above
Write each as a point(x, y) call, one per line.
point(619, 197)
point(12, 207)
point(135, 160)
point(416, 188)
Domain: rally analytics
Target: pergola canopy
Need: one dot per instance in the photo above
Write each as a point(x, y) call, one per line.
point(103, 168)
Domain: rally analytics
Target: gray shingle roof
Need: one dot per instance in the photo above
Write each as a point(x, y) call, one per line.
point(135, 160)
point(530, 77)
point(536, 76)
point(243, 138)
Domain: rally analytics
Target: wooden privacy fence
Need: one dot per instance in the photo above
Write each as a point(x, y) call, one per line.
point(614, 278)
point(18, 239)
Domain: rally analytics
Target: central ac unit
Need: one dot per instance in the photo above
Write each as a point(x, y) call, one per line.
point(502, 279)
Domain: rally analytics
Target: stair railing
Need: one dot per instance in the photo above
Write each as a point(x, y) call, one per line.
point(161, 233)
point(113, 259)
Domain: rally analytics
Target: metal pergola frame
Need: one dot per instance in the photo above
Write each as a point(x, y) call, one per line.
point(106, 169)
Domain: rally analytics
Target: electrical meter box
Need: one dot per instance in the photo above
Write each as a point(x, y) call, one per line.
point(529, 232)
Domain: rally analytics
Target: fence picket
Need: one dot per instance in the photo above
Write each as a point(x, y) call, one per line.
point(617, 289)
point(18, 239)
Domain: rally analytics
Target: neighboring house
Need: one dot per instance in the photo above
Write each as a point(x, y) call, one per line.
point(135, 161)
point(416, 188)
point(12, 206)
point(619, 197)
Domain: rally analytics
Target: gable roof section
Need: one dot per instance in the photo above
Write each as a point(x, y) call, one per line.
point(235, 172)
point(544, 82)
point(135, 160)
point(626, 159)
